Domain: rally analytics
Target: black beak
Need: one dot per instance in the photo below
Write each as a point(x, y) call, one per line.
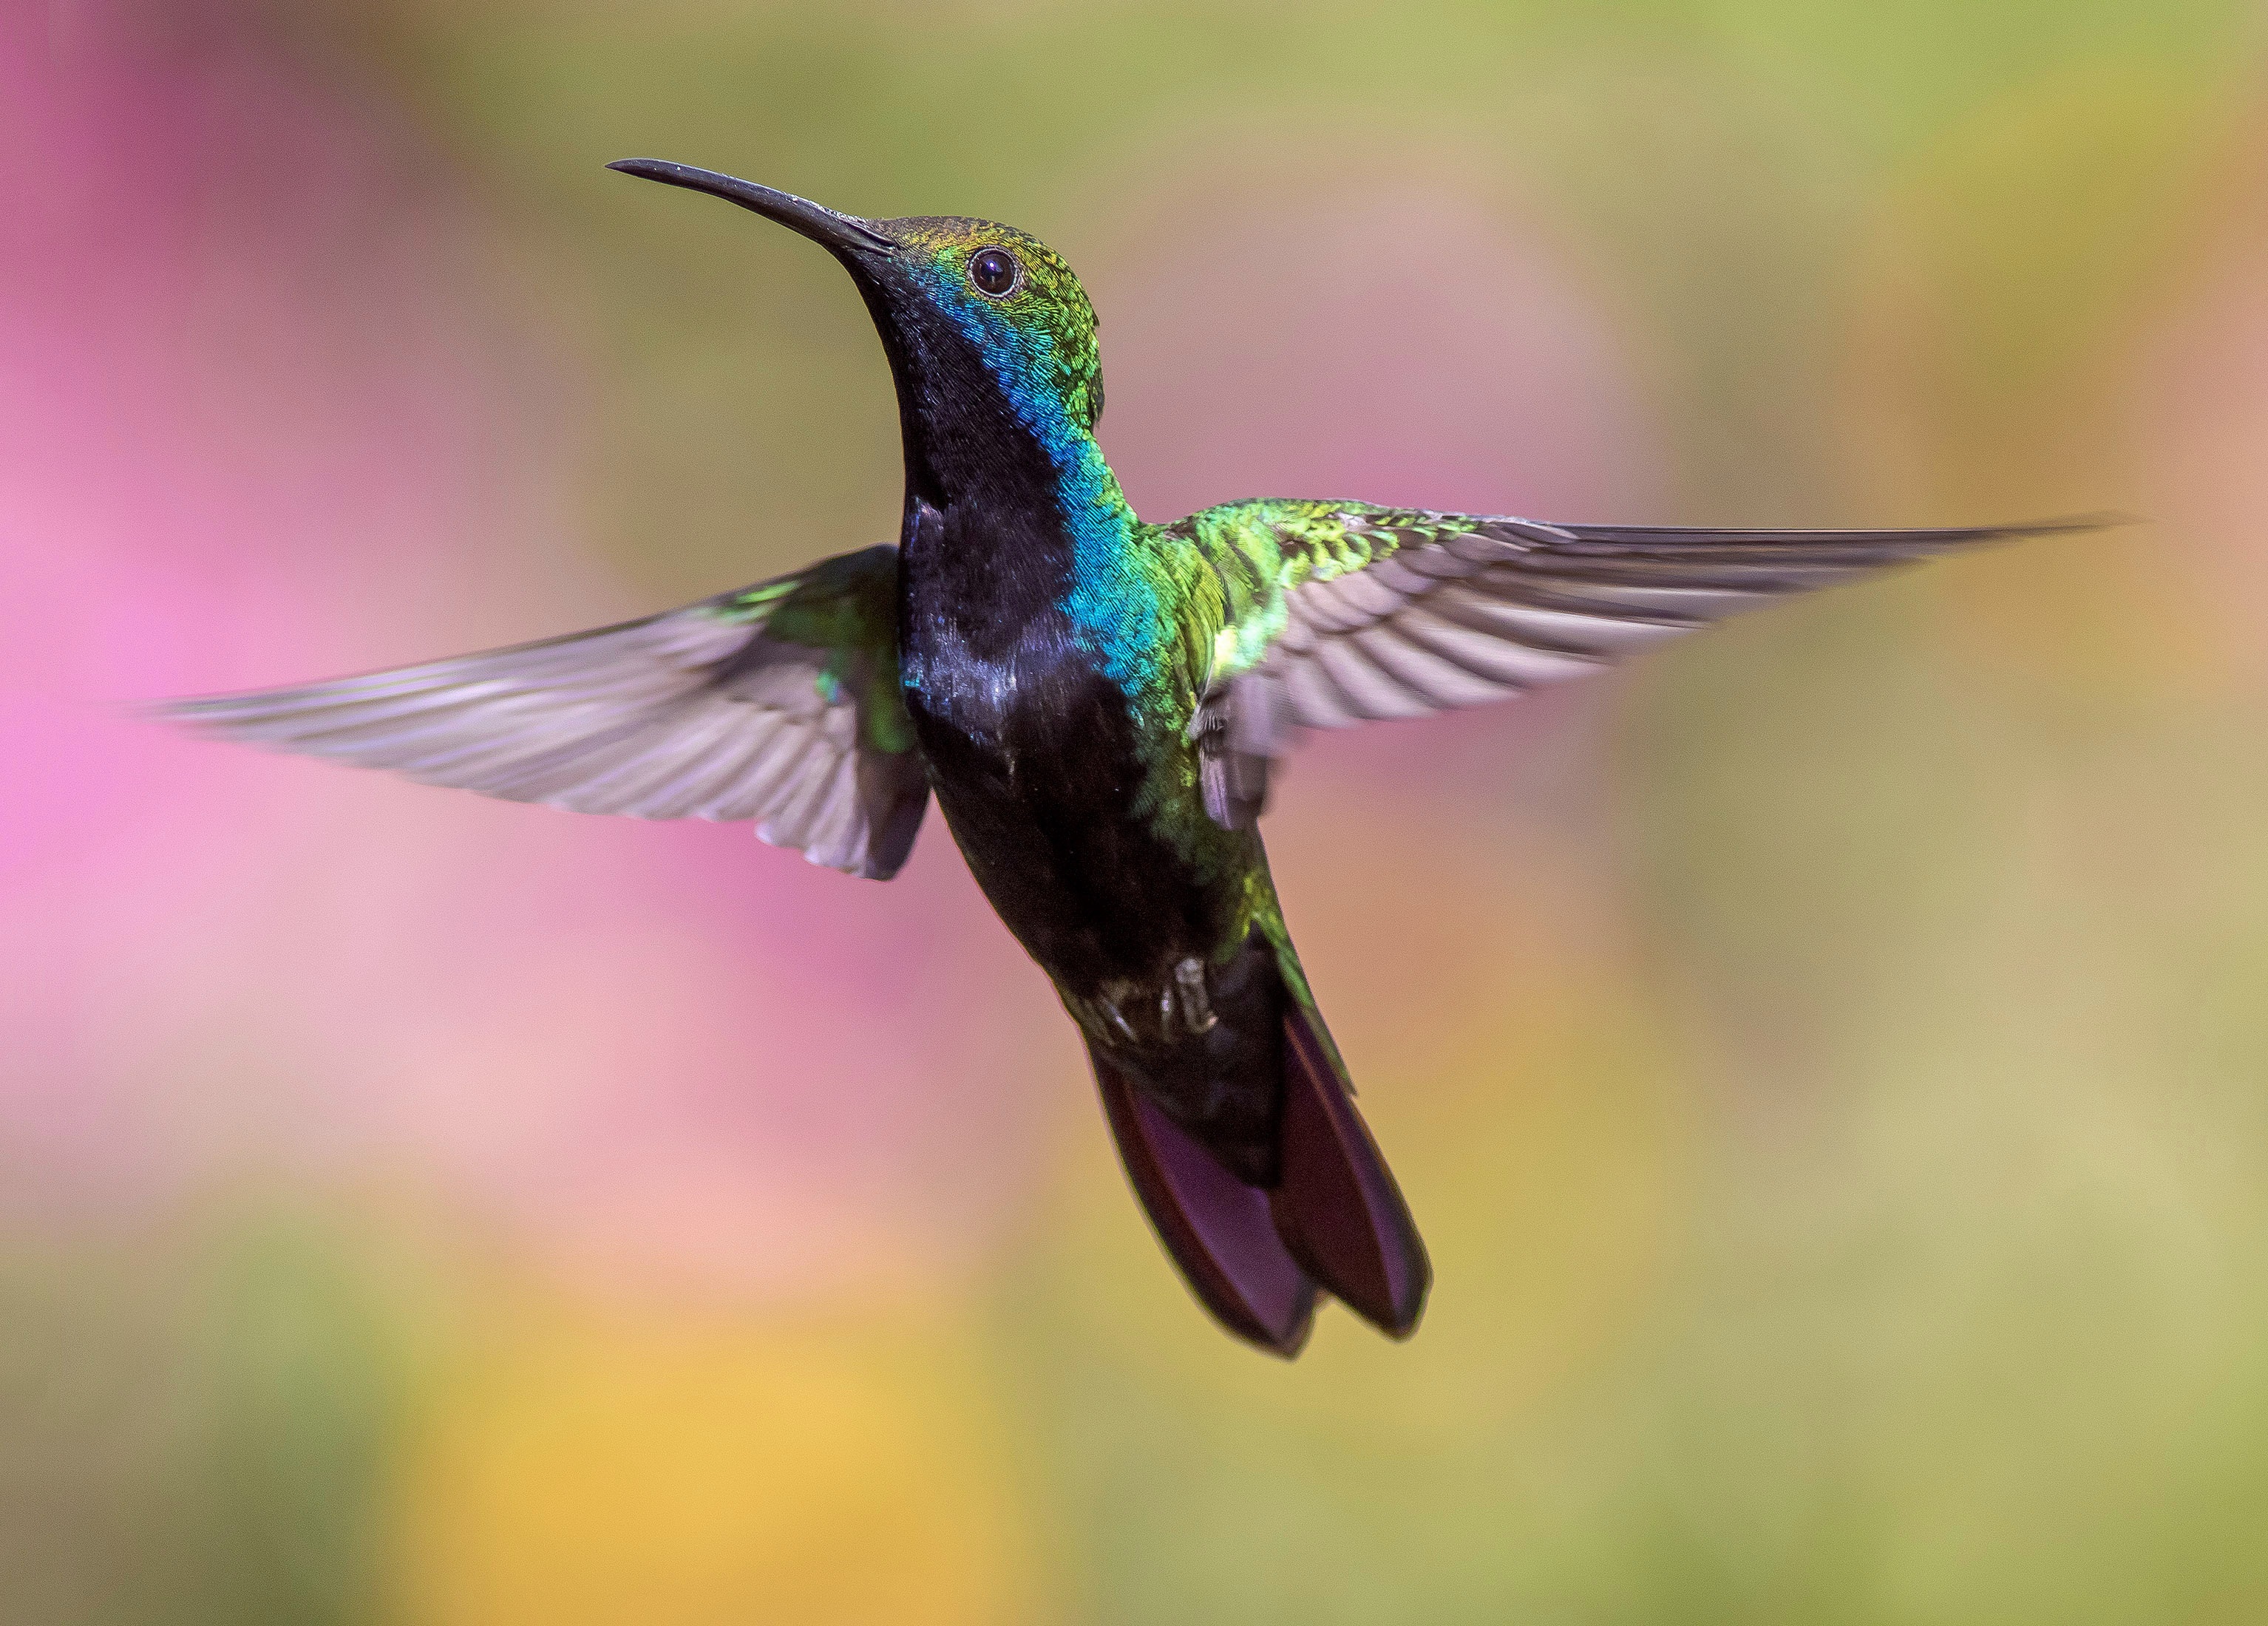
point(820, 225)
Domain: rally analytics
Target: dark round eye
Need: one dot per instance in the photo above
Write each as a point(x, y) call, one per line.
point(995, 272)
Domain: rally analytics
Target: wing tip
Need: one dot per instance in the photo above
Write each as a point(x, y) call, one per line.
point(2101, 519)
point(194, 712)
point(2013, 530)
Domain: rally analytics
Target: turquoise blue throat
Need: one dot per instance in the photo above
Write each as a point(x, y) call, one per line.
point(1116, 605)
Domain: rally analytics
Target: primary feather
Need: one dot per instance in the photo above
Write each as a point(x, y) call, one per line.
point(777, 704)
point(1335, 613)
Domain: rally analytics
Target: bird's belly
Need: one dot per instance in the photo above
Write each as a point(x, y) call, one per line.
point(1044, 790)
point(1081, 819)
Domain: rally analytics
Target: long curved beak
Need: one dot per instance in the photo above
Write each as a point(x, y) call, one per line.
point(819, 223)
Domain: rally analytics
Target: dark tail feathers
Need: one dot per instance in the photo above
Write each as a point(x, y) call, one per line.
point(1334, 1221)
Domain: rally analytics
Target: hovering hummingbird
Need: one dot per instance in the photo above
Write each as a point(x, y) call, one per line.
point(1096, 702)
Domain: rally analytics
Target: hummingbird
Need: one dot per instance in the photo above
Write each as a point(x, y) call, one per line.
point(1096, 702)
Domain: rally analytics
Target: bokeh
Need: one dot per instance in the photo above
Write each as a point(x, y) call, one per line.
point(1829, 1059)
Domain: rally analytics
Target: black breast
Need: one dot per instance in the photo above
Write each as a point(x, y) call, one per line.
point(1032, 752)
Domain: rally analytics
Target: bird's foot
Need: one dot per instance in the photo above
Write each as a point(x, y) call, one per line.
point(1195, 1003)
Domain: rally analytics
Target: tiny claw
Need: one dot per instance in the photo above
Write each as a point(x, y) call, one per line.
point(1112, 1015)
point(1196, 1003)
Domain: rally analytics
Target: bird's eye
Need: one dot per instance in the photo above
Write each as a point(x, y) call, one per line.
point(995, 272)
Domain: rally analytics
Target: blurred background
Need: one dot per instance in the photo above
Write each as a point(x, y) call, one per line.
point(1829, 1059)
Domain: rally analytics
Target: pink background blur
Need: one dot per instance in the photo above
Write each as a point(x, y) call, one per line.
point(1830, 1060)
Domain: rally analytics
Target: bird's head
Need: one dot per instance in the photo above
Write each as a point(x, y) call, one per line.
point(986, 328)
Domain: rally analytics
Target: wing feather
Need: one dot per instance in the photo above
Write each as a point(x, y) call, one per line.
point(779, 704)
point(1336, 613)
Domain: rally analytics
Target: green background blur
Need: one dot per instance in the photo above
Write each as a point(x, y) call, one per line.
point(1828, 1060)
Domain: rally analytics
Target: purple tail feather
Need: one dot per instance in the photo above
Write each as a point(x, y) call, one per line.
point(1216, 1227)
point(1258, 1257)
point(1336, 1207)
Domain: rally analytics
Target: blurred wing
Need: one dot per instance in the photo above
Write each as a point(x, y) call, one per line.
point(779, 704)
point(1335, 613)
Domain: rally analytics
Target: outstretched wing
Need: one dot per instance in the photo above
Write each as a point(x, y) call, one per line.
point(777, 703)
point(1333, 614)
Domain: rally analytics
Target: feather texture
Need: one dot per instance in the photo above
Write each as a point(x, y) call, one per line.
point(777, 704)
point(1335, 613)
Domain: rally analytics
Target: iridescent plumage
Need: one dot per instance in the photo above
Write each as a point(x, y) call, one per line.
point(1095, 702)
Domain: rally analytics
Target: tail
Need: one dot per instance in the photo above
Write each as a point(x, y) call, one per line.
point(1258, 1256)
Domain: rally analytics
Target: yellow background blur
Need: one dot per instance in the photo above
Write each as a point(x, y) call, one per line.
point(1828, 1060)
